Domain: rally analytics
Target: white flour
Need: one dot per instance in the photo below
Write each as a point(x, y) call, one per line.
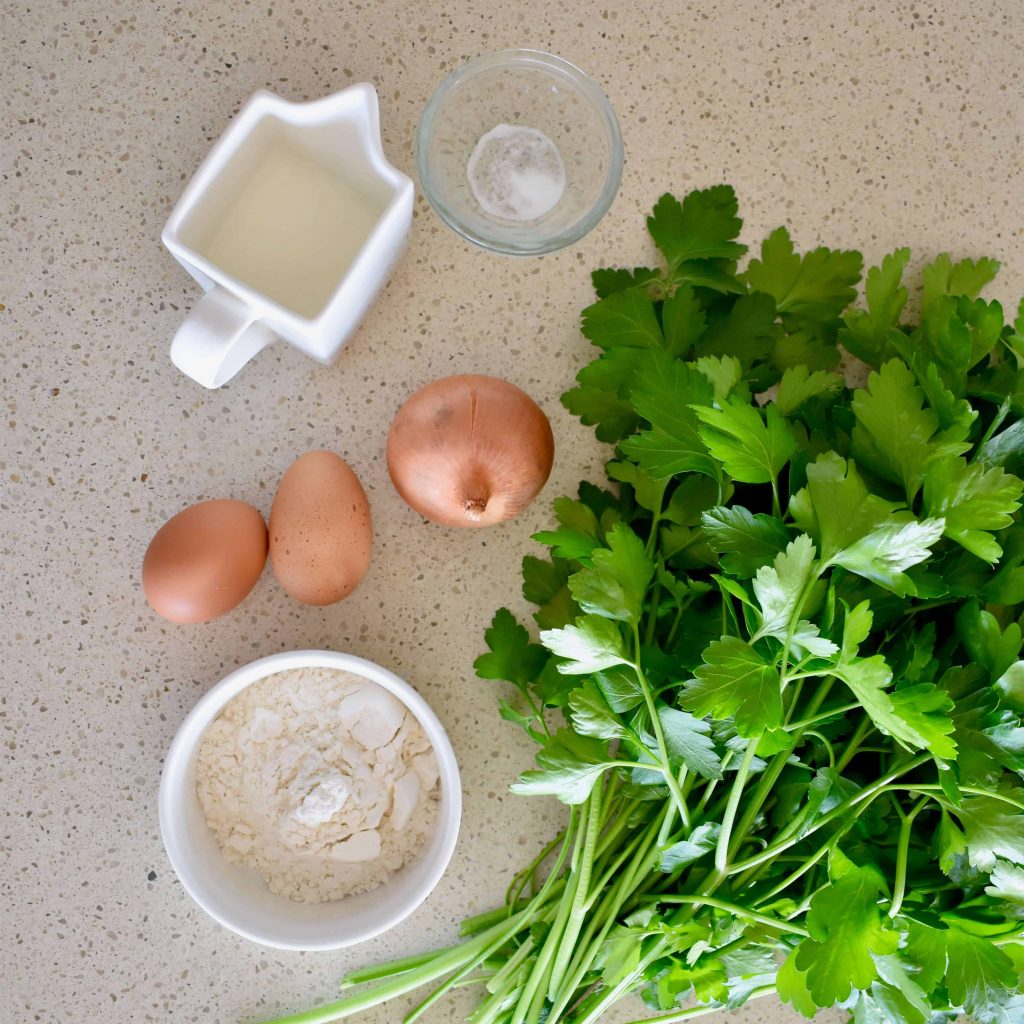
point(320, 780)
point(516, 173)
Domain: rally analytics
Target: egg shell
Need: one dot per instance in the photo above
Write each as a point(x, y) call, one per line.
point(321, 534)
point(204, 561)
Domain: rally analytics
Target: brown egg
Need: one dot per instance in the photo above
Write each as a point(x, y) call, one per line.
point(320, 529)
point(205, 560)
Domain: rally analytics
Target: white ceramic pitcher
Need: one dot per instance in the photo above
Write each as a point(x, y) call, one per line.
point(235, 319)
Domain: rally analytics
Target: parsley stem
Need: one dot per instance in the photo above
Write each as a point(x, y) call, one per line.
point(997, 421)
point(659, 733)
point(529, 872)
point(830, 750)
point(583, 870)
point(764, 787)
point(776, 504)
point(725, 837)
point(605, 917)
point(969, 790)
point(670, 817)
point(607, 997)
point(652, 614)
point(838, 811)
point(460, 975)
point(496, 983)
point(820, 694)
point(699, 1011)
point(675, 626)
point(732, 908)
point(389, 970)
point(796, 875)
point(531, 998)
point(823, 717)
point(861, 733)
point(902, 851)
point(635, 852)
point(437, 967)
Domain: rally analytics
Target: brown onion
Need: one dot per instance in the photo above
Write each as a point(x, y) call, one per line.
point(470, 450)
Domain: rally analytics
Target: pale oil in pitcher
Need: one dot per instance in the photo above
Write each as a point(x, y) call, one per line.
point(293, 230)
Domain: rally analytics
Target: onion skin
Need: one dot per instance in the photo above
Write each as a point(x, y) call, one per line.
point(470, 450)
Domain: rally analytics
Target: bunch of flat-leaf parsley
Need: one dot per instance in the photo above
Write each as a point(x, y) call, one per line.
point(783, 652)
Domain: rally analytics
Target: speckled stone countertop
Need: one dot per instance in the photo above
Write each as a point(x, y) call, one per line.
point(859, 124)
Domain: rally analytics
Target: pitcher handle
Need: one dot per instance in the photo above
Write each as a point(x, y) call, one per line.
point(218, 338)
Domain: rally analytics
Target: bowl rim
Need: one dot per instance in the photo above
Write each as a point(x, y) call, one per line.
point(186, 741)
point(521, 56)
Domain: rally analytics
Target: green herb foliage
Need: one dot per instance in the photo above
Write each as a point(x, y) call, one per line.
point(786, 647)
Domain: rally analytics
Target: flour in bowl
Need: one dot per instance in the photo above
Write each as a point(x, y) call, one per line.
point(321, 780)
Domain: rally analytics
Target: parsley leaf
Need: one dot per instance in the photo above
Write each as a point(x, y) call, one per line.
point(800, 384)
point(1004, 449)
point(592, 644)
point(835, 507)
point(623, 319)
point(683, 321)
point(828, 789)
point(898, 993)
point(1007, 882)
point(882, 555)
point(601, 400)
point(512, 656)
point(987, 644)
point(792, 987)
point(847, 927)
point(816, 287)
point(724, 372)
point(973, 501)
point(662, 391)
point(873, 335)
point(703, 839)
point(980, 976)
point(617, 581)
point(545, 584)
point(576, 537)
point(591, 715)
point(735, 680)
point(621, 688)
point(570, 766)
point(990, 738)
point(951, 843)
point(896, 436)
point(926, 949)
point(744, 540)
point(915, 717)
point(688, 741)
point(780, 590)
point(753, 450)
point(993, 829)
point(746, 330)
point(944, 277)
point(663, 388)
point(703, 226)
point(608, 280)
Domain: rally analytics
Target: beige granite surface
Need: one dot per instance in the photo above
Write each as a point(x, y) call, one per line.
point(858, 123)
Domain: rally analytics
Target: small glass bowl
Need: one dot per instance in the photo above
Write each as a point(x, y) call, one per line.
point(536, 90)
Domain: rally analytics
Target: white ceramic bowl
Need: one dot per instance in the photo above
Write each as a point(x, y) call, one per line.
point(237, 897)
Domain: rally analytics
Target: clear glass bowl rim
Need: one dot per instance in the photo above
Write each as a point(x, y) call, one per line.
point(592, 91)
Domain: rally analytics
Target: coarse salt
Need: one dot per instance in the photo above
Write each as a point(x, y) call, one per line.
point(516, 173)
